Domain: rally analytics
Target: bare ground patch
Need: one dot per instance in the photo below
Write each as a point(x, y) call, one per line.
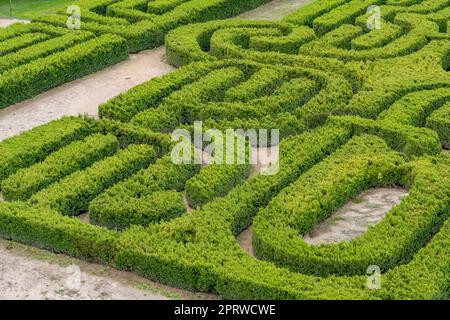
point(355, 217)
point(274, 10)
point(4, 22)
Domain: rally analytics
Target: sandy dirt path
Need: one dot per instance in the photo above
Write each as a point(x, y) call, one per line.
point(356, 216)
point(83, 96)
point(33, 274)
point(274, 10)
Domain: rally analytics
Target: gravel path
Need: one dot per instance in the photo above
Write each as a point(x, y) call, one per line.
point(274, 10)
point(25, 278)
point(34, 274)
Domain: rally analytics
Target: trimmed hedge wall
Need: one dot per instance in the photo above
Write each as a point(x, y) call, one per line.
point(45, 54)
point(329, 185)
point(215, 180)
point(42, 74)
point(133, 201)
point(143, 25)
point(37, 57)
point(76, 156)
point(154, 207)
point(46, 229)
point(269, 42)
point(232, 94)
point(71, 195)
point(439, 121)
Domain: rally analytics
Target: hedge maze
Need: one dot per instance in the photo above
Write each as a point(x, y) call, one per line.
point(46, 53)
point(36, 57)
point(356, 108)
point(144, 23)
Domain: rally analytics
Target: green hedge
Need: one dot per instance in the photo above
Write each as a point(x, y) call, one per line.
point(273, 43)
point(377, 37)
point(309, 13)
point(215, 180)
point(129, 134)
point(150, 94)
point(219, 264)
point(163, 6)
point(34, 145)
point(47, 229)
point(43, 49)
point(414, 36)
point(439, 121)
point(134, 200)
point(238, 208)
point(155, 207)
point(355, 109)
point(45, 73)
point(71, 195)
point(233, 94)
point(322, 190)
point(17, 43)
point(414, 108)
point(412, 141)
point(426, 276)
point(143, 25)
point(342, 14)
point(76, 156)
point(176, 109)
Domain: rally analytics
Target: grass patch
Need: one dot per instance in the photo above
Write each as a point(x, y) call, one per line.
point(30, 9)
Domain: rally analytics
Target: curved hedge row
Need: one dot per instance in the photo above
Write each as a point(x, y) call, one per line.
point(232, 94)
point(45, 228)
point(270, 42)
point(439, 121)
point(144, 25)
point(327, 186)
point(415, 29)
